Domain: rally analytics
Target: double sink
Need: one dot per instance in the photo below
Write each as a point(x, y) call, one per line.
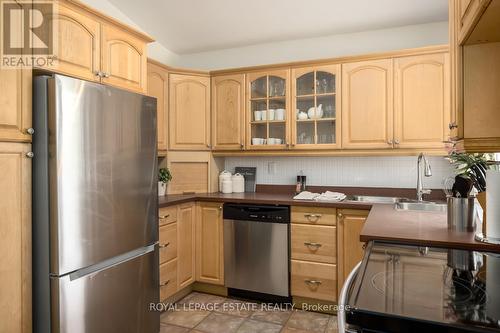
point(400, 203)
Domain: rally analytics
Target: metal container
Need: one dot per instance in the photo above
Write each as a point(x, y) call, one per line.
point(461, 214)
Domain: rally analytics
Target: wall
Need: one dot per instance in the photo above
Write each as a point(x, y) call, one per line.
point(321, 47)
point(396, 172)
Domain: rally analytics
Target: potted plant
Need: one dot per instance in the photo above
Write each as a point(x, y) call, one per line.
point(164, 177)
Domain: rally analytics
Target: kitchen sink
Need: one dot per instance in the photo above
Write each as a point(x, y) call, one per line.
point(424, 206)
point(373, 199)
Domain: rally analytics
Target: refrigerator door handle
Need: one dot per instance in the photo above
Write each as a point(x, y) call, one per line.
point(106, 264)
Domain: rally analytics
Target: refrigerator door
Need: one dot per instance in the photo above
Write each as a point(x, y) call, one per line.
point(102, 171)
point(116, 298)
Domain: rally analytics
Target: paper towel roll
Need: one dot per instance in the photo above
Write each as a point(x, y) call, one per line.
point(493, 203)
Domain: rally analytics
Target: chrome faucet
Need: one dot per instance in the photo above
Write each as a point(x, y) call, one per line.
point(427, 173)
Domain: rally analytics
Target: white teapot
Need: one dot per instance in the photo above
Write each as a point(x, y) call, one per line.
point(315, 112)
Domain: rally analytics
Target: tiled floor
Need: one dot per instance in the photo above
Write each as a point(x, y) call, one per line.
point(199, 312)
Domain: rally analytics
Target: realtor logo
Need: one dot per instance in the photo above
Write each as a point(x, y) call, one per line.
point(27, 33)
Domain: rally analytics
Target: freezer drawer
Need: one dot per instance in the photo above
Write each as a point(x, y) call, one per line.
point(115, 299)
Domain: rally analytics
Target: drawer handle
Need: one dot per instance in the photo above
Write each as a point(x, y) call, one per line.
point(313, 217)
point(164, 283)
point(164, 216)
point(315, 246)
point(164, 245)
point(312, 282)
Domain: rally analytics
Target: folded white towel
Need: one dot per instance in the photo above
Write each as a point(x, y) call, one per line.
point(330, 196)
point(306, 195)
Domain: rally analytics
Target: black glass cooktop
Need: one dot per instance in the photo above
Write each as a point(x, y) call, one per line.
point(419, 289)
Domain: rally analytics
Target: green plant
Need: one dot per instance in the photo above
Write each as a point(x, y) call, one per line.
point(471, 166)
point(164, 175)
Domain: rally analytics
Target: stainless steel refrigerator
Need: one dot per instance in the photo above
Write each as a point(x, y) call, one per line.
point(95, 208)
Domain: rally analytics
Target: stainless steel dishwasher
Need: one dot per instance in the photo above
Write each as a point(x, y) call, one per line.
point(257, 251)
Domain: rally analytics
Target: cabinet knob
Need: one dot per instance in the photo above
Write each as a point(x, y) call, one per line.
point(30, 131)
point(452, 125)
point(162, 246)
point(241, 146)
point(164, 283)
point(98, 73)
point(390, 142)
point(396, 142)
point(340, 215)
point(209, 146)
point(314, 246)
point(106, 75)
point(164, 216)
point(30, 154)
point(313, 282)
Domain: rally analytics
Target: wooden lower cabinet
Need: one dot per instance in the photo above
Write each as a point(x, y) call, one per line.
point(185, 245)
point(314, 243)
point(349, 249)
point(209, 243)
point(314, 280)
point(15, 238)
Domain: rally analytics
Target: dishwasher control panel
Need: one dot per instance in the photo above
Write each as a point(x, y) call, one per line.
point(257, 213)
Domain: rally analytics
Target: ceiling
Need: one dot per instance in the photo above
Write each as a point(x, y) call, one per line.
point(192, 26)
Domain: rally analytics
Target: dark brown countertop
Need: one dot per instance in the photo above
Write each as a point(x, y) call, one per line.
point(256, 198)
point(417, 228)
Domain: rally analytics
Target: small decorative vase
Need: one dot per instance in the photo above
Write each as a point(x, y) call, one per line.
point(162, 188)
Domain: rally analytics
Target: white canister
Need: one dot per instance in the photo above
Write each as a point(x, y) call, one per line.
point(238, 183)
point(227, 186)
point(224, 175)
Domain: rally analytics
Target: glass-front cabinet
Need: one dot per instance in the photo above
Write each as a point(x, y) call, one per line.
point(268, 110)
point(315, 117)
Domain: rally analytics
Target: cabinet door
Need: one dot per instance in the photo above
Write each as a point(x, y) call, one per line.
point(316, 122)
point(15, 238)
point(209, 244)
point(228, 110)
point(422, 101)
point(189, 112)
point(124, 59)
point(367, 105)
point(77, 49)
point(268, 110)
point(15, 102)
point(350, 249)
point(185, 245)
point(158, 87)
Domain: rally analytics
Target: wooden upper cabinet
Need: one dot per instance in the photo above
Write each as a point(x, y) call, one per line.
point(185, 245)
point(15, 104)
point(124, 59)
point(422, 101)
point(228, 112)
point(158, 88)
point(367, 105)
point(209, 243)
point(189, 112)
point(77, 48)
point(268, 109)
point(15, 238)
point(315, 99)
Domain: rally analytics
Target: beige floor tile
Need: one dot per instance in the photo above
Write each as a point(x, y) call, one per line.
point(165, 328)
point(309, 321)
point(254, 326)
point(220, 323)
point(183, 318)
point(295, 330)
point(204, 299)
point(237, 308)
point(332, 326)
point(272, 316)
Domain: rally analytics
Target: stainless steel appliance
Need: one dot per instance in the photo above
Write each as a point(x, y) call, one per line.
point(405, 288)
point(256, 251)
point(95, 208)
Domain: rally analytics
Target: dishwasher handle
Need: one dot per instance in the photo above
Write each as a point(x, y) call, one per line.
point(343, 299)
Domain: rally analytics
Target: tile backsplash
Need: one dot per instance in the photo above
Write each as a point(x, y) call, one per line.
point(397, 172)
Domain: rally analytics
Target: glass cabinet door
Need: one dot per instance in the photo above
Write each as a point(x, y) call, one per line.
point(315, 115)
point(268, 111)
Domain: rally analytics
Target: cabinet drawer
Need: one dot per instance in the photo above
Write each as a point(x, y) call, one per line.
point(168, 279)
point(168, 242)
point(167, 215)
point(314, 215)
point(314, 280)
point(314, 243)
